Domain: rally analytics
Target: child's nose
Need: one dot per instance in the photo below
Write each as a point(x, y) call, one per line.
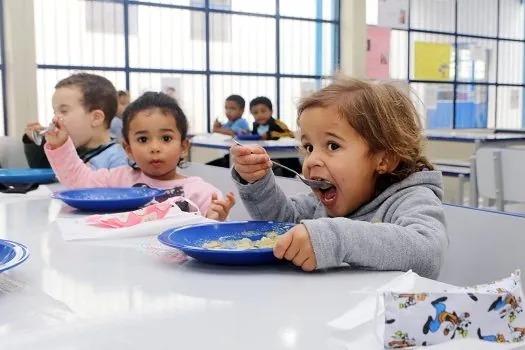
point(155, 147)
point(314, 159)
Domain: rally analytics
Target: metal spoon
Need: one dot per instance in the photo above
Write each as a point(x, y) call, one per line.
point(318, 184)
point(38, 135)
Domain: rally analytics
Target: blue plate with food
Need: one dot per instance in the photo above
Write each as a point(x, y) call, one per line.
point(108, 199)
point(12, 254)
point(228, 243)
point(27, 176)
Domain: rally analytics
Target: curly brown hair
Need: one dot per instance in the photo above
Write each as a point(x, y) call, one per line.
point(383, 115)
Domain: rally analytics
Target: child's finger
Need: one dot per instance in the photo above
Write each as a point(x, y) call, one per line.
point(214, 197)
point(218, 209)
point(309, 264)
point(300, 258)
point(294, 247)
point(283, 242)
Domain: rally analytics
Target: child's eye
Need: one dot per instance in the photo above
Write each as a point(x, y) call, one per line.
point(308, 148)
point(167, 138)
point(333, 146)
point(142, 139)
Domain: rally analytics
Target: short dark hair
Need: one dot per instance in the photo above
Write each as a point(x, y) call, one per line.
point(122, 93)
point(261, 100)
point(237, 99)
point(97, 93)
point(150, 100)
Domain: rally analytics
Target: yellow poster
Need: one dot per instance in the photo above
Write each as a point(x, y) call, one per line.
point(432, 61)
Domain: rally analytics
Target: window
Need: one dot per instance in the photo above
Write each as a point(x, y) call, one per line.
point(481, 46)
point(204, 49)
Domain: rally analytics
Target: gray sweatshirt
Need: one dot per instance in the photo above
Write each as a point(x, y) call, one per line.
point(402, 228)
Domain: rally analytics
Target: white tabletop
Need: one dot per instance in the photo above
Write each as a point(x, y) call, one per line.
point(220, 141)
point(127, 294)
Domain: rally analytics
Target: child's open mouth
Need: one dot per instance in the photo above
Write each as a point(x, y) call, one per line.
point(328, 195)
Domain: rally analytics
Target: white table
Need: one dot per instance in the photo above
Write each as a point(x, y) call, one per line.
point(126, 294)
point(277, 149)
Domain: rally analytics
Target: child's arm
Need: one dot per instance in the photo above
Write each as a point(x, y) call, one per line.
point(415, 239)
point(265, 200)
point(73, 173)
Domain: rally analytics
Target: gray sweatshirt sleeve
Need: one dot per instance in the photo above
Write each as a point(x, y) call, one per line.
point(415, 239)
point(265, 200)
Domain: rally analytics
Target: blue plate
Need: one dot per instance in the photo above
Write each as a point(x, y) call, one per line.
point(108, 199)
point(190, 239)
point(12, 254)
point(248, 137)
point(24, 176)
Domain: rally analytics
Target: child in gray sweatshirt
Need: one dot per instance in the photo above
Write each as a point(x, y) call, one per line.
point(383, 210)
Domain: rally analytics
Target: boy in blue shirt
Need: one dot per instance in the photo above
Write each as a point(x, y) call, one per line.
point(236, 125)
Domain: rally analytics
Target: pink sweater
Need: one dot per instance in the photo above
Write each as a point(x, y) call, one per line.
point(73, 173)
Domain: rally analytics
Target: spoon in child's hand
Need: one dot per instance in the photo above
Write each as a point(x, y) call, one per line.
point(317, 184)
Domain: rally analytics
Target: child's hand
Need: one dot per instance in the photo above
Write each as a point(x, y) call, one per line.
point(57, 137)
point(264, 136)
point(296, 247)
point(217, 124)
point(30, 127)
point(220, 209)
point(251, 163)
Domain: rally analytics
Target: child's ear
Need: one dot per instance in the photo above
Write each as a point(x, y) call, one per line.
point(98, 118)
point(127, 148)
point(387, 163)
point(185, 148)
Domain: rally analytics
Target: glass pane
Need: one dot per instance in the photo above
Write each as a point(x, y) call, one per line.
point(510, 62)
point(292, 90)
point(432, 56)
point(472, 106)
point(398, 54)
point(510, 108)
point(477, 17)
point(193, 3)
point(435, 103)
point(372, 12)
point(317, 9)
point(48, 78)
point(307, 47)
point(164, 39)
point(265, 7)
point(511, 19)
point(3, 131)
point(247, 87)
point(249, 47)
point(86, 33)
point(476, 60)
point(188, 89)
point(433, 15)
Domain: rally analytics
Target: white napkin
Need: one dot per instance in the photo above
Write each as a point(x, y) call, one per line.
point(73, 227)
point(367, 309)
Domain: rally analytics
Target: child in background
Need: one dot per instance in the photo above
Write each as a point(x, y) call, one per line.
point(384, 208)
point(155, 138)
point(236, 125)
point(87, 104)
point(234, 107)
point(116, 124)
point(269, 128)
point(265, 125)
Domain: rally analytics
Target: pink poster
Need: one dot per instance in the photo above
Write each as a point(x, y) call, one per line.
point(378, 53)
